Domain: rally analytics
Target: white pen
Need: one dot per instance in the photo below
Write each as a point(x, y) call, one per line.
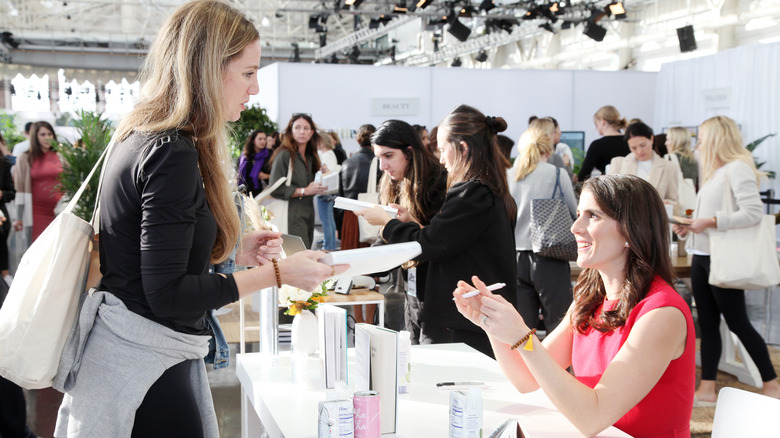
point(474, 293)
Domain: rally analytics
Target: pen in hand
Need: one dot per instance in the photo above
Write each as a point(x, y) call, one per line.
point(474, 293)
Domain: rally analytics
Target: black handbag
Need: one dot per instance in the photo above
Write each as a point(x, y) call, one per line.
point(551, 223)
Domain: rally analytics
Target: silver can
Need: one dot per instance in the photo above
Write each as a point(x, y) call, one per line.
point(336, 419)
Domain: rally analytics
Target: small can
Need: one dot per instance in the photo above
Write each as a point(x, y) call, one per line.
point(336, 419)
point(367, 418)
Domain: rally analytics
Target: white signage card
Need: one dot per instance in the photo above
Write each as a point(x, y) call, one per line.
point(716, 98)
point(406, 106)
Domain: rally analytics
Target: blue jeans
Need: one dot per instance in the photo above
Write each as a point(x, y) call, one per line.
point(325, 210)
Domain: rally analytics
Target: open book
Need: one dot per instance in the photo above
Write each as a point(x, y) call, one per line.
point(510, 429)
point(355, 205)
point(382, 258)
point(376, 355)
point(330, 180)
point(333, 343)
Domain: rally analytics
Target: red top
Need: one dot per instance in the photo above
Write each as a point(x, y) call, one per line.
point(45, 179)
point(666, 409)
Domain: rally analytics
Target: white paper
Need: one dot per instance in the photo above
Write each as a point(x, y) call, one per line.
point(381, 258)
point(355, 205)
point(331, 181)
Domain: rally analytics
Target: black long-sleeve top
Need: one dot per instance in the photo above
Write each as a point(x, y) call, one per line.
point(8, 189)
point(471, 235)
point(157, 232)
point(601, 152)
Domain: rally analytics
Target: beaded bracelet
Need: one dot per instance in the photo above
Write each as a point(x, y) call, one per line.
point(530, 345)
point(278, 275)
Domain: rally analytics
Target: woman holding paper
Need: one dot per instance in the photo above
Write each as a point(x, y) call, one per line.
point(474, 231)
point(166, 214)
point(415, 183)
point(628, 336)
point(299, 150)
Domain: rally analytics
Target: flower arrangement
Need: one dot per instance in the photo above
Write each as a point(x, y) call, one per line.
point(298, 300)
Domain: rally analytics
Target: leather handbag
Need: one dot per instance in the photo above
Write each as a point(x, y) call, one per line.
point(280, 207)
point(743, 258)
point(551, 226)
point(43, 301)
point(369, 233)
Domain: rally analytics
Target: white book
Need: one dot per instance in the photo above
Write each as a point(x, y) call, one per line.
point(510, 429)
point(383, 357)
point(381, 258)
point(355, 205)
point(332, 322)
point(329, 180)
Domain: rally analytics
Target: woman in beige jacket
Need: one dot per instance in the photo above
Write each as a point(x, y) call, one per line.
point(645, 163)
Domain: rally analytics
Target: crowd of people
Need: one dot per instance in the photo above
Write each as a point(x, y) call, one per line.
point(616, 348)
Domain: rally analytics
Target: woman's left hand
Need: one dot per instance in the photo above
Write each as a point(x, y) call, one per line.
point(375, 215)
point(259, 247)
point(699, 225)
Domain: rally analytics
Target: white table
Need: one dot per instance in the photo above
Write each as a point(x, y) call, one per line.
point(286, 409)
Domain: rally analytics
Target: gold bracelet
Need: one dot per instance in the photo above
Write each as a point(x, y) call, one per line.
point(530, 345)
point(278, 275)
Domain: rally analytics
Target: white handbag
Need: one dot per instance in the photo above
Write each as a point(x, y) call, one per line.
point(686, 190)
point(43, 300)
point(369, 233)
point(280, 207)
point(743, 258)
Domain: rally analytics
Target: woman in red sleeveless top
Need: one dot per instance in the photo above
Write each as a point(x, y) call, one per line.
point(628, 336)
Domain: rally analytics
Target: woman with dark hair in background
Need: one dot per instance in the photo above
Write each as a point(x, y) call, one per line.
point(254, 165)
point(628, 337)
point(272, 141)
point(600, 152)
point(474, 231)
point(37, 180)
point(299, 150)
point(338, 149)
point(414, 183)
point(425, 138)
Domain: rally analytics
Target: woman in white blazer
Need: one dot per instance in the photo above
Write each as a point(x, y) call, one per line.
point(725, 161)
point(646, 164)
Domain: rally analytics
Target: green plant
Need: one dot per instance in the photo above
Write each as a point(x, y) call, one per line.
point(252, 118)
point(80, 158)
point(579, 155)
point(754, 144)
point(9, 130)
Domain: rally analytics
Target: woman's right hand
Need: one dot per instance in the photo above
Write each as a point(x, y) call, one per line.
point(403, 214)
point(680, 230)
point(304, 271)
point(18, 225)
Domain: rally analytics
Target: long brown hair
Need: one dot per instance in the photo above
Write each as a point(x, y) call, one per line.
point(484, 160)
point(639, 211)
point(183, 91)
point(36, 149)
point(249, 146)
point(422, 172)
point(289, 144)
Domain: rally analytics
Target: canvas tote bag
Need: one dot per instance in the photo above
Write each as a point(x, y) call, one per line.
point(369, 233)
point(43, 300)
point(280, 207)
point(743, 258)
point(551, 226)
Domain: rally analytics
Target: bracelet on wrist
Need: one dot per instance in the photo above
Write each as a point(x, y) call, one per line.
point(529, 346)
point(276, 271)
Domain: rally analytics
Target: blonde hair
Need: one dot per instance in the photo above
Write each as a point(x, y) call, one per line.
point(721, 143)
point(611, 115)
point(546, 125)
point(679, 141)
point(534, 143)
point(327, 142)
point(182, 77)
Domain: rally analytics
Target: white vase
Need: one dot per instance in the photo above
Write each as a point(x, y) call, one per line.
point(305, 332)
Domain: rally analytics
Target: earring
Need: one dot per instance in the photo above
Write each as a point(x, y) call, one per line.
point(626, 244)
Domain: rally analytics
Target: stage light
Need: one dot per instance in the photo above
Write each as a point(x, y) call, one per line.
point(486, 5)
point(686, 38)
point(456, 62)
point(422, 4)
point(323, 39)
point(354, 55)
point(458, 30)
point(548, 27)
point(482, 56)
point(296, 54)
point(400, 8)
point(617, 9)
point(595, 31)
point(354, 3)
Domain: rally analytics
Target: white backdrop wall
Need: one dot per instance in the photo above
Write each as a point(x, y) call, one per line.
point(741, 83)
point(339, 96)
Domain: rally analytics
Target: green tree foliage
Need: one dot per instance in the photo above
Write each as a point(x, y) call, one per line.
point(252, 118)
point(80, 158)
point(752, 145)
point(11, 133)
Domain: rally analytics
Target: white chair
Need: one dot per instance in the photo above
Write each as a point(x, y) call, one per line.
point(745, 414)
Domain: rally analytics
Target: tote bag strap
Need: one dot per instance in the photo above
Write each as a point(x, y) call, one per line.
point(372, 176)
point(557, 182)
point(72, 203)
point(289, 172)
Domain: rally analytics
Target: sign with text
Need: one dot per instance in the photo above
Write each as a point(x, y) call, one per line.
point(408, 106)
point(717, 98)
